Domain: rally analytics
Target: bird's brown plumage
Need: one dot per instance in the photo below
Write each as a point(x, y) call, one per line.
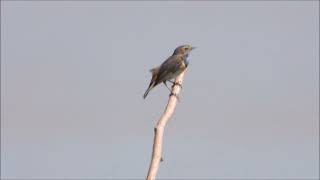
point(170, 68)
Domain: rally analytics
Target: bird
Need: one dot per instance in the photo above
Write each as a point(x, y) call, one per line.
point(170, 68)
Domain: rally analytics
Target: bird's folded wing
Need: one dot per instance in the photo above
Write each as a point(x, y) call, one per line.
point(169, 67)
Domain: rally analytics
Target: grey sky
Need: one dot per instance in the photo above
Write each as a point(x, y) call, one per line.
point(73, 75)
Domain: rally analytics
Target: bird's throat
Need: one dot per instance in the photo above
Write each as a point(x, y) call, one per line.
point(186, 61)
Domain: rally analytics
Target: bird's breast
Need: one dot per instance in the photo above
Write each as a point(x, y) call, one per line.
point(183, 65)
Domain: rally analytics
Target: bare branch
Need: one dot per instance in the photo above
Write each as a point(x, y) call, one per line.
point(159, 129)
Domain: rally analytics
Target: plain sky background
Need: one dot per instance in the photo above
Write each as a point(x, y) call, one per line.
point(73, 75)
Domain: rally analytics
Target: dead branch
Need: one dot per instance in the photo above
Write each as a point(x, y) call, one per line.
point(159, 129)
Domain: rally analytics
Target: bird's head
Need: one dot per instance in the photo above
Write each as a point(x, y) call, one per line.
point(184, 50)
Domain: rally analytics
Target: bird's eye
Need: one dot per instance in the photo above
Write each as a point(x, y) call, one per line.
point(185, 48)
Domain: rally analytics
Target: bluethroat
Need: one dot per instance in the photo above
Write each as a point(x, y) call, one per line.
point(170, 68)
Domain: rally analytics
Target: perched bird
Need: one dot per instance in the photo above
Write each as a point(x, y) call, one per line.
point(170, 68)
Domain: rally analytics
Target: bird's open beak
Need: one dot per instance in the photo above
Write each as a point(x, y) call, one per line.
point(192, 48)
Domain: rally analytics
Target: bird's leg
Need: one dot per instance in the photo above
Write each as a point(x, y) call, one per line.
point(175, 83)
point(165, 83)
point(171, 93)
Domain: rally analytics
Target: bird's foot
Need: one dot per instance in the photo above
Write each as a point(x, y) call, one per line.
point(176, 95)
point(176, 84)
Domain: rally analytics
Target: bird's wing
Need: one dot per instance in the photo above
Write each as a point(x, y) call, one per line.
point(169, 67)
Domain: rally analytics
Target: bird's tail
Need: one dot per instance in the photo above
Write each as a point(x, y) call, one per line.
point(154, 72)
point(148, 90)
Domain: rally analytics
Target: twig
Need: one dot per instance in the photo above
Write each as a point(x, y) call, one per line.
point(159, 129)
